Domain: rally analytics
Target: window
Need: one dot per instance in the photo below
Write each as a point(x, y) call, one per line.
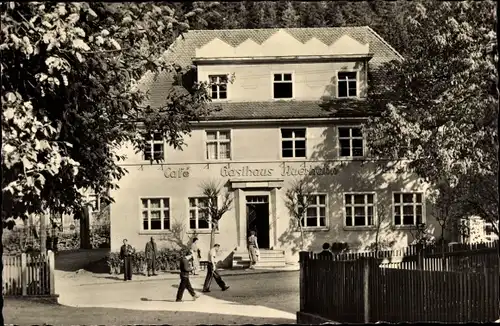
point(219, 86)
point(407, 208)
point(488, 229)
point(282, 86)
point(293, 142)
point(315, 215)
point(198, 213)
point(359, 209)
point(218, 145)
point(347, 84)
point(154, 148)
point(155, 214)
point(350, 142)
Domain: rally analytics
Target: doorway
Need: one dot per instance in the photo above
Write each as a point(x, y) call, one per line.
point(258, 219)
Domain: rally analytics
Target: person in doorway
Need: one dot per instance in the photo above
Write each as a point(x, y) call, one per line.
point(326, 253)
point(253, 249)
point(126, 252)
point(150, 252)
point(212, 270)
point(196, 256)
point(186, 268)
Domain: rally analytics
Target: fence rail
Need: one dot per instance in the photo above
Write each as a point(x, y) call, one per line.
point(28, 275)
point(428, 286)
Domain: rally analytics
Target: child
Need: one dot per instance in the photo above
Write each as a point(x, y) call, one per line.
point(186, 268)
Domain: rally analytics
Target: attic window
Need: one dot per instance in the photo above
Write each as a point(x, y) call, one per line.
point(154, 147)
point(219, 86)
point(347, 84)
point(282, 86)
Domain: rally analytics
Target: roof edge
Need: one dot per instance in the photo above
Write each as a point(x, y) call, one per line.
point(385, 42)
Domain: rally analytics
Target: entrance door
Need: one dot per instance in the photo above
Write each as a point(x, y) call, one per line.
point(258, 219)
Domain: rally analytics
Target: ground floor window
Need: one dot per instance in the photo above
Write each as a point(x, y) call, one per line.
point(155, 214)
point(315, 215)
point(359, 209)
point(408, 208)
point(198, 213)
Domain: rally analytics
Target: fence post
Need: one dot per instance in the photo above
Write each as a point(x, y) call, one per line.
point(24, 275)
point(51, 272)
point(302, 290)
point(366, 288)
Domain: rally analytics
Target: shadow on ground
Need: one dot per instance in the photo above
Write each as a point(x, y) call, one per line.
point(30, 313)
point(74, 260)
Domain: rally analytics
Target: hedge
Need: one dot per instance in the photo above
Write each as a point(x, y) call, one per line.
point(166, 260)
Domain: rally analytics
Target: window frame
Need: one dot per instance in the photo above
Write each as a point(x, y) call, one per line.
point(339, 151)
point(151, 144)
point(292, 139)
point(217, 141)
point(347, 81)
point(374, 205)
point(401, 205)
point(189, 208)
point(282, 73)
point(218, 76)
point(162, 209)
point(318, 206)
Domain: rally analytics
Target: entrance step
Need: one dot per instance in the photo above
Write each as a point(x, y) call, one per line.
point(268, 259)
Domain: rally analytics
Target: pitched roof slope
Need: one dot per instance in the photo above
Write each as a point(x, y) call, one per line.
point(184, 49)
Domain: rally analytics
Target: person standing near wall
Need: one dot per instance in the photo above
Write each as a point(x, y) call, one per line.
point(212, 270)
point(150, 251)
point(253, 249)
point(326, 253)
point(126, 252)
point(196, 256)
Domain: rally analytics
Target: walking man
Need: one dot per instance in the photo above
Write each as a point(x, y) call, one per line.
point(212, 270)
point(186, 268)
point(150, 253)
point(126, 252)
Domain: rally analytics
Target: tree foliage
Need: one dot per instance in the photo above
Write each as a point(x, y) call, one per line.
point(298, 198)
point(216, 203)
point(70, 95)
point(439, 107)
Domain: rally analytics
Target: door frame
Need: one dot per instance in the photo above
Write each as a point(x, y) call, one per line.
point(259, 222)
point(267, 193)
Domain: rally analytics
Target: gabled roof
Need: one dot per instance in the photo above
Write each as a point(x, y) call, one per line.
point(183, 50)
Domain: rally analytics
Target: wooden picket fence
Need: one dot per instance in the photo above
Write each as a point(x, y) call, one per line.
point(457, 286)
point(28, 275)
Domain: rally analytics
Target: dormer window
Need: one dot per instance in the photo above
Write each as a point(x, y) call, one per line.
point(347, 84)
point(154, 147)
point(282, 86)
point(219, 86)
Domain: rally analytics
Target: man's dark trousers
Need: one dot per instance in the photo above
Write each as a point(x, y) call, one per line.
point(185, 284)
point(151, 266)
point(127, 268)
point(212, 273)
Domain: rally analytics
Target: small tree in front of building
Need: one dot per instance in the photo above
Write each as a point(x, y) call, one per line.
point(298, 198)
point(212, 191)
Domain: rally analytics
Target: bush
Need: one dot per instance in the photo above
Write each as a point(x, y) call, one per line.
point(68, 241)
point(338, 247)
point(100, 238)
point(166, 260)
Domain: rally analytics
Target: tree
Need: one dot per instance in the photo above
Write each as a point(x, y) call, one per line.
point(381, 243)
point(312, 14)
point(289, 17)
point(216, 203)
point(68, 68)
point(439, 106)
point(298, 198)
